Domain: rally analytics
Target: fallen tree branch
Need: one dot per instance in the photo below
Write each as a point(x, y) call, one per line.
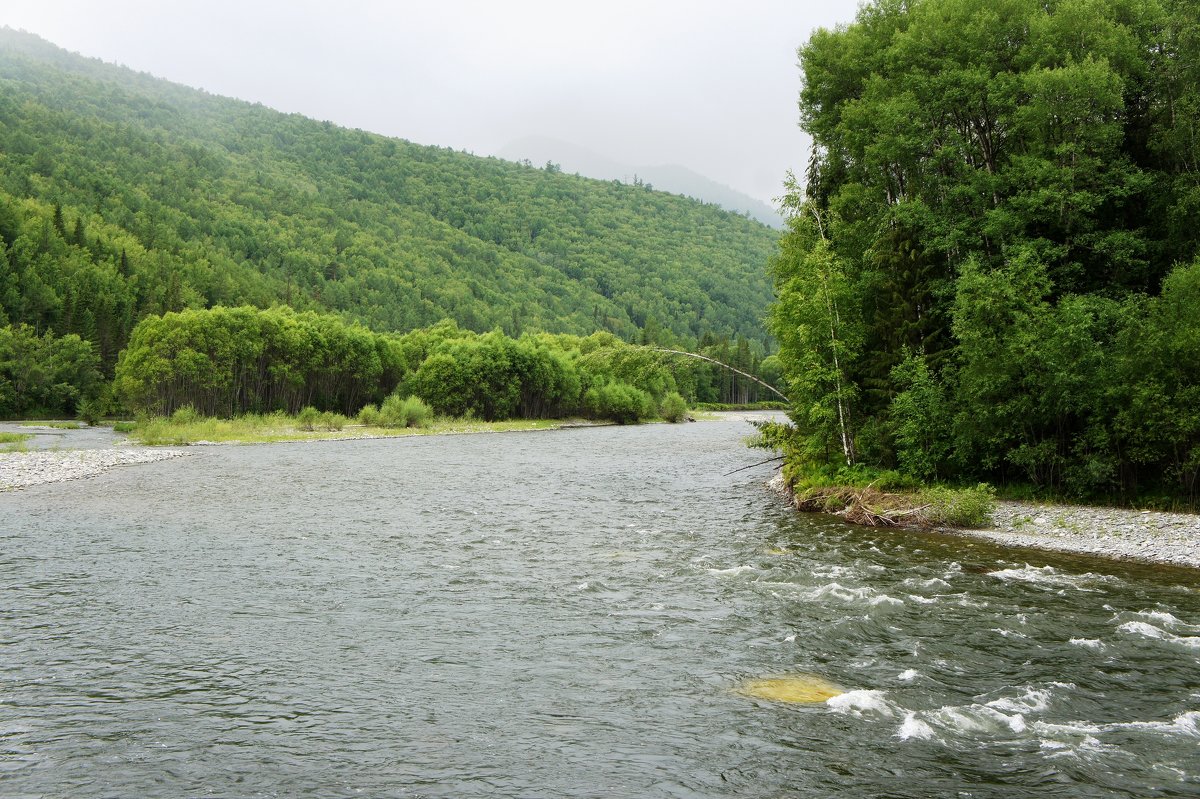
point(751, 466)
point(762, 383)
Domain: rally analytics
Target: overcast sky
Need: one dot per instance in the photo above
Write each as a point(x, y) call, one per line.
point(709, 84)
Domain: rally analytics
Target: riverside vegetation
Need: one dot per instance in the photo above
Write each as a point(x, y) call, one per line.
point(990, 271)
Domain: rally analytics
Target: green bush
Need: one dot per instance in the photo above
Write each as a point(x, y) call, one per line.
point(674, 407)
point(407, 412)
point(417, 413)
point(124, 427)
point(369, 415)
point(308, 419)
point(186, 415)
point(331, 421)
point(619, 402)
point(959, 507)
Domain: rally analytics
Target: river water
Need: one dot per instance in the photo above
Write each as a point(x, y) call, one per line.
point(554, 614)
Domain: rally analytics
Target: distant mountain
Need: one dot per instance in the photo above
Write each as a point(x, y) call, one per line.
point(123, 195)
point(665, 177)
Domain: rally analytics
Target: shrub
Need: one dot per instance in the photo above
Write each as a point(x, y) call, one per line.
point(407, 412)
point(308, 418)
point(962, 507)
point(331, 421)
point(369, 415)
point(416, 412)
point(620, 402)
point(674, 407)
point(91, 411)
point(185, 415)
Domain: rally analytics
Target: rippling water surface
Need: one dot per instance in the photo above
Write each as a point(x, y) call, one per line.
point(563, 613)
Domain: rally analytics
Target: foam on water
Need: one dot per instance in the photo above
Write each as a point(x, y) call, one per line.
point(1150, 631)
point(923, 600)
point(935, 582)
point(1184, 724)
point(908, 675)
point(1051, 577)
point(862, 595)
point(912, 728)
point(863, 704)
point(1034, 700)
point(732, 571)
point(1090, 643)
point(1168, 620)
point(977, 719)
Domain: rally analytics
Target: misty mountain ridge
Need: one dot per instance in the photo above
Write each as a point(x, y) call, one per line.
point(672, 178)
point(123, 195)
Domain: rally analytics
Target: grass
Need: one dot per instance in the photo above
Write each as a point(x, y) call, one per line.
point(13, 442)
point(184, 429)
point(878, 498)
point(54, 425)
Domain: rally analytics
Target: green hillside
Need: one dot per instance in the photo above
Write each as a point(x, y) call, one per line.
point(122, 195)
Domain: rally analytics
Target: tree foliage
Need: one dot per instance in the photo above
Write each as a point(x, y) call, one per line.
point(233, 361)
point(1002, 211)
point(123, 196)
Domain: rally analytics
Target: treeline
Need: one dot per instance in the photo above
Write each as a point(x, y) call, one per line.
point(991, 269)
point(123, 196)
point(45, 372)
point(231, 361)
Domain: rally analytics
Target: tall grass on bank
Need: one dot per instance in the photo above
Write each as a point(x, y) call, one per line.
point(13, 442)
point(185, 426)
point(870, 496)
point(889, 499)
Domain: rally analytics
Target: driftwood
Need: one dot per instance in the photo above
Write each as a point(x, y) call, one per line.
point(866, 506)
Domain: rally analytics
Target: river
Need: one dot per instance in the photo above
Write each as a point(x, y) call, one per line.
point(560, 614)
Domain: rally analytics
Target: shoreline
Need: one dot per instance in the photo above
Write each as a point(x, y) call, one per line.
point(1139, 536)
point(29, 468)
point(21, 470)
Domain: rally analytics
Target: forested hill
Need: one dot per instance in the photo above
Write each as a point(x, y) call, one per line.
point(123, 195)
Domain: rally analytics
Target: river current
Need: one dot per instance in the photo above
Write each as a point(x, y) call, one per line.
point(560, 614)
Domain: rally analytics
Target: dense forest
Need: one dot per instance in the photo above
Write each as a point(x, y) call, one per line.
point(991, 267)
point(232, 361)
point(123, 196)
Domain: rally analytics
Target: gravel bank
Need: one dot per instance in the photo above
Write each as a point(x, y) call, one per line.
point(24, 469)
point(1150, 536)
point(1146, 536)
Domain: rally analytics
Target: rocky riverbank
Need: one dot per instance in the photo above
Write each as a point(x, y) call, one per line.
point(1143, 535)
point(24, 469)
point(1123, 533)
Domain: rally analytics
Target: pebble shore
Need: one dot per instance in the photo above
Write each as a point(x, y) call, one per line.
point(1120, 533)
point(24, 469)
point(1147, 536)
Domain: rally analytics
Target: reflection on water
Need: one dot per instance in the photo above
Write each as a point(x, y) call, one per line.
point(566, 613)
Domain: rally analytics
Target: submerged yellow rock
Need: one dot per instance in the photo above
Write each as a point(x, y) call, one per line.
point(796, 688)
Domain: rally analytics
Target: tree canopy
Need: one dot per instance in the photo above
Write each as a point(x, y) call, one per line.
point(991, 265)
point(123, 196)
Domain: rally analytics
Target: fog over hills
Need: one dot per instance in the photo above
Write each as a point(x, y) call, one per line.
point(664, 177)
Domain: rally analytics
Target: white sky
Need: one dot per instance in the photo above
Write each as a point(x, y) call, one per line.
point(708, 84)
